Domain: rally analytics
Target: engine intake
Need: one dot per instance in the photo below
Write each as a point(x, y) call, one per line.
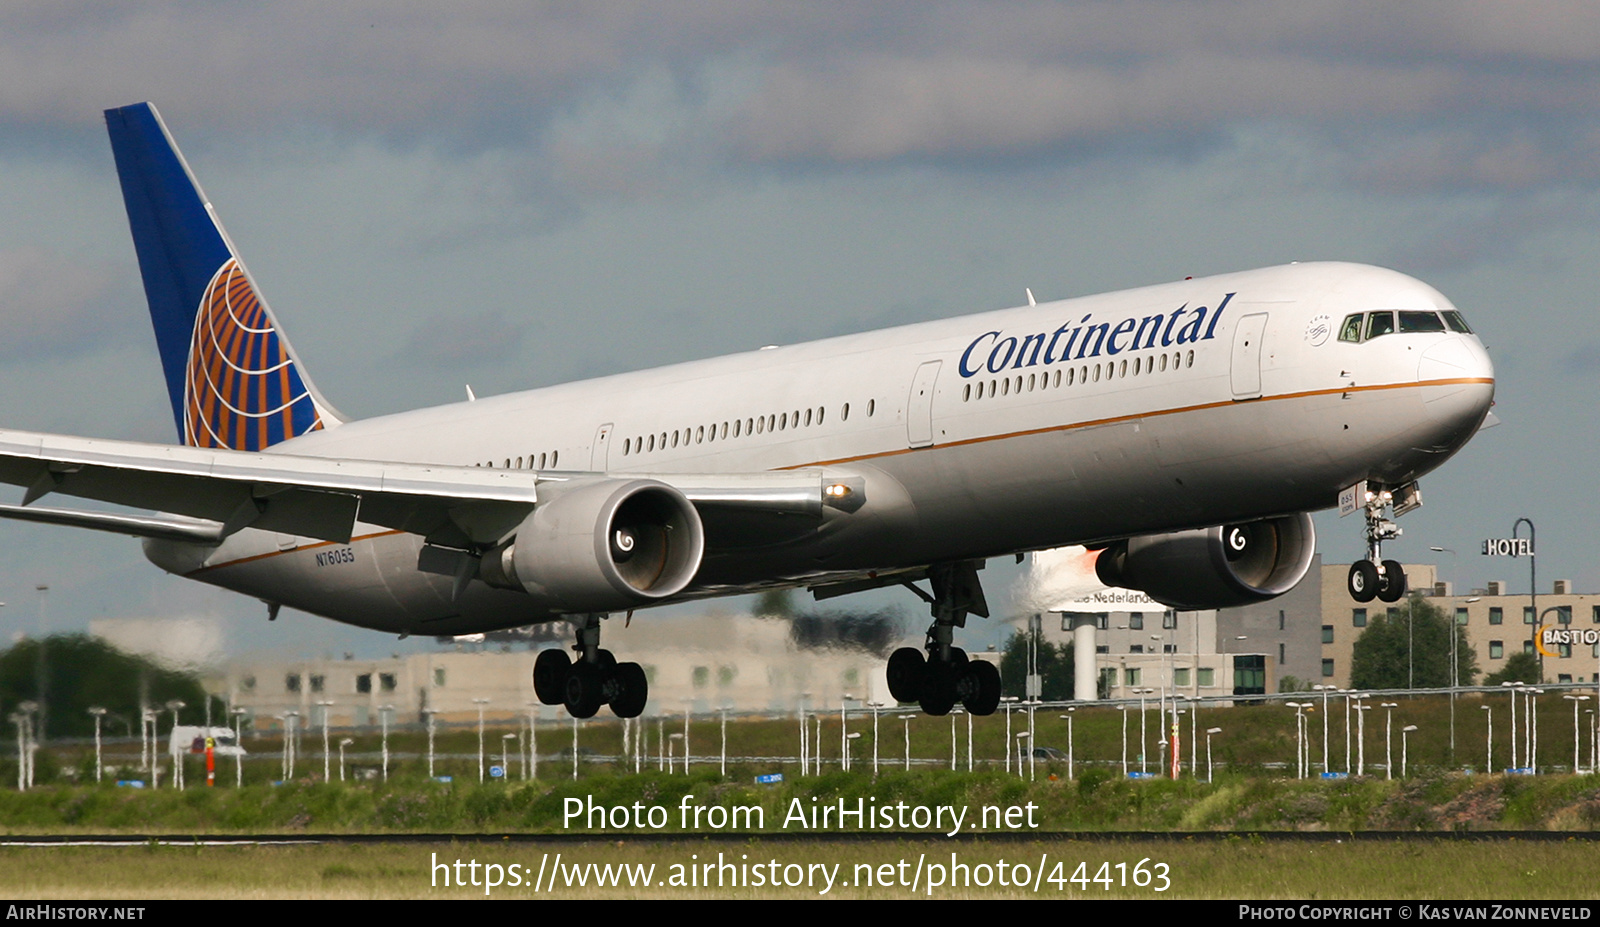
point(602, 546)
point(1216, 567)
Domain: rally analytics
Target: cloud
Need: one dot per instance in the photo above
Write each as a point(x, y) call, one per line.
point(52, 305)
point(460, 342)
point(622, 94)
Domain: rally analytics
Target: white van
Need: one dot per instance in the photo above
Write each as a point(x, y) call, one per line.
point(192, 739)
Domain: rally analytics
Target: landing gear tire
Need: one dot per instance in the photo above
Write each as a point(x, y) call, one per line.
point(632, 690)
point(1363, 581)
point(1392, 581)
point(938, 689)
point(585, 689)
point(905, 672)
point(550, 671)
point(980, 688)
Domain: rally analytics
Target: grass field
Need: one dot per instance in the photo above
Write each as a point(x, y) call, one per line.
point(1510, 870)
point(612, 803)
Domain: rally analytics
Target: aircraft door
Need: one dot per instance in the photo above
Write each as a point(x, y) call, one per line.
point(600, 451)
point(1246, 369)
point(919, 408)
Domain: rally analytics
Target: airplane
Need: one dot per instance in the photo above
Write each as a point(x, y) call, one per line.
point(1183, 429)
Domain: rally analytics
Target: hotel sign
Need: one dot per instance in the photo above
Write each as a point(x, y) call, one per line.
point(1508, 547)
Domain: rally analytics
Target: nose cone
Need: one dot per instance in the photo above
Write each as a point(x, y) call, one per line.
point(1457, 383)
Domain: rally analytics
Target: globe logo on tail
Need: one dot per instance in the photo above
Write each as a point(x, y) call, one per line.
point(241, 388)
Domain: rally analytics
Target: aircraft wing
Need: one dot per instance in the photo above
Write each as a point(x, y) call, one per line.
point(208, 493)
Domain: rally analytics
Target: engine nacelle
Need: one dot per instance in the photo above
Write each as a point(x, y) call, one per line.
point(602, 546)
point(1214, 567)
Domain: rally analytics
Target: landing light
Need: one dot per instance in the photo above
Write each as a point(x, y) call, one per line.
point(837, 491)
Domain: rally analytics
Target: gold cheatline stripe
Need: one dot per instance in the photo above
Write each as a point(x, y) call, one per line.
point(279, 553)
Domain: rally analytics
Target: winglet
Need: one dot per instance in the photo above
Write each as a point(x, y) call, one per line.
point(231, 376)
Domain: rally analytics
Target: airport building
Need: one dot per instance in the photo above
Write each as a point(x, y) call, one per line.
point(739, 662)
point(1498, 624)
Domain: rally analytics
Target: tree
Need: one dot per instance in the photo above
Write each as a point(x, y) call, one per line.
point(1055, 668)
point(78, 671)
point(1520, 667)
point(1410, 647)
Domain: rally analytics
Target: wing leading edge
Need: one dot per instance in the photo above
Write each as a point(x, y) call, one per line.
point(213, 493)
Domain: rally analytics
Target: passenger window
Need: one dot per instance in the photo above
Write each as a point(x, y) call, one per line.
point(1351, 330)
point(1380, 323)
point(1415, 322)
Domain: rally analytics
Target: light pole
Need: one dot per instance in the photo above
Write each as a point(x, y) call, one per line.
point(805, 756)
point(1124, 709)
point(505, 755)
point(1008, 700)
point(238, 741)
point(844, 732)
point(177, 758)
point(99, 713)
point(1576, 759)
point(724, 766)
point(1533, 727)
point(480, 702)
point(1209, 732)
point(1511, 687)
point(325, 705)
point(907, 720)
point(1361, 738)
point(1403, 753)
point(533, 743)
point(1022, 738)
point(429, 714)
point(1299, 739)
point(290, 721)
point(343, 742)
point(384, 711)
point(1324, 690)
point(1533, 588)
point(875, 707)
point(1388, 738)
point(1144, 741)
point(1070, 740)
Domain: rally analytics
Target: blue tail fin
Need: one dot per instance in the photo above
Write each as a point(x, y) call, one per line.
point(232, 377)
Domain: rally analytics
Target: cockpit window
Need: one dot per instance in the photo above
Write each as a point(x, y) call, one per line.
point(1351, 329)
point(1379, 323)
point(1420, 322)
point(1456, 322)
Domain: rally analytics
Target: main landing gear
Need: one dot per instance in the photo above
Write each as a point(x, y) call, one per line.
point(1376, 577)
point(594, 679)
point(945, 676)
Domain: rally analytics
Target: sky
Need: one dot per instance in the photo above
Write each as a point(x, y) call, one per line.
point(511, 195)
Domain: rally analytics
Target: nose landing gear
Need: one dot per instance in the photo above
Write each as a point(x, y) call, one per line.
point(946, 676)
point(1375, 577)
point(594, 679)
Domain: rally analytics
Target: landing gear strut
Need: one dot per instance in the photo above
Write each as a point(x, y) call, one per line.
point(1376, 577)
point(594, 679)
point(945, 676)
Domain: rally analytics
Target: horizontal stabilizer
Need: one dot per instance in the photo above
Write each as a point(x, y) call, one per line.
point(163, 527)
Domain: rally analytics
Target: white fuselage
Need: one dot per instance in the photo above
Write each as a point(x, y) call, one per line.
point(1182, 405)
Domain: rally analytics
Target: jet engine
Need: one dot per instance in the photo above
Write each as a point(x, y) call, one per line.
point(1214, 567)
point(601, 546)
